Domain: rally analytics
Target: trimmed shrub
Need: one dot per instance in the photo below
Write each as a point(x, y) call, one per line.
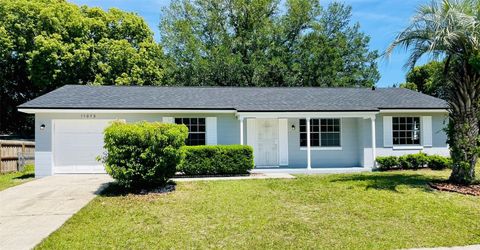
point(437, 162)
point(387, 162)
point(143, 155)
point(218, 159)
point(419, 160)
point(404, 162)
point(414, 161)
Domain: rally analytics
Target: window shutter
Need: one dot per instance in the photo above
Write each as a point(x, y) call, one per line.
point(387, 132)
point(426, 126)
point(167, 119)
point(211, 130)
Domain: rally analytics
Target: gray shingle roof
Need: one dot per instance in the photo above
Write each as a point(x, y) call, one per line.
point(240, 99)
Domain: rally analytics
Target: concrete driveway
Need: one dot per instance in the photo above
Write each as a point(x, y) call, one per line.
point(31, 211)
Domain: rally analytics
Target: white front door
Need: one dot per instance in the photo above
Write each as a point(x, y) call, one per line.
point(76, 145)
point(267, 142)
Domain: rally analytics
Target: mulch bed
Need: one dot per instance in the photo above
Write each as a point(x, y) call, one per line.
point(462, 189)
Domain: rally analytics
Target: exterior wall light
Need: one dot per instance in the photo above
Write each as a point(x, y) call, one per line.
point(293, 127)
point(42, 127)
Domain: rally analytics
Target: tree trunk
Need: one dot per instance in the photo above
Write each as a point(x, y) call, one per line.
point(463, 146)
point(463, 129)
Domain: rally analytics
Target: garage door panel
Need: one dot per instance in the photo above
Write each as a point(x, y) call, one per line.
point(81, 126)
point(77, 144)
point(72, 141)
point(79, 169)
point(80, 158)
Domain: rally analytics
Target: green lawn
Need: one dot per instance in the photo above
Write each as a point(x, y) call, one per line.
point(16, 178)
point(355, 211)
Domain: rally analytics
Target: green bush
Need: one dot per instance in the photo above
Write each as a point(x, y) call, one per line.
point(387, 162)
point(418, 160)
point(214, 160)
point(143, 155)
point(414, 161)
point(437, 162)
point(404, 162)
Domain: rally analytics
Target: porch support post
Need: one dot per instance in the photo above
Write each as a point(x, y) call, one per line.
point(374, 146)
point(241, 130)
point(309, 151)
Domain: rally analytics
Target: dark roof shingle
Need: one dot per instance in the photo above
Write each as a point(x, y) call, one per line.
point(235, 98)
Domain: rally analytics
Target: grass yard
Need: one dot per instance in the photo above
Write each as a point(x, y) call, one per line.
point(356, 211)
point(16, 178)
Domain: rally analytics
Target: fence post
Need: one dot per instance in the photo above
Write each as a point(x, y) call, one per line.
point(21, 158)
point(1, 159)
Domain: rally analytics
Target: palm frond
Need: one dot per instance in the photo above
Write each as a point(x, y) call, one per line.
point(446, 27)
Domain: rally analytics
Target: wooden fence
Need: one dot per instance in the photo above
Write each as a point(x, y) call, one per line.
point(15, 154)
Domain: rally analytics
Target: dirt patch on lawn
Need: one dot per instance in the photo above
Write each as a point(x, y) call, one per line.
point(462, 189)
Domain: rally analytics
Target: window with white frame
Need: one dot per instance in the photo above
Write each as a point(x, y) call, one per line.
point(323, 132)
point(196, 130)
point(406, 130)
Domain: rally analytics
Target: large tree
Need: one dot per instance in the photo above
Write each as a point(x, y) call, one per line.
point(45, 44)
point(262, 43)
point(449, 30)
point(428, 79)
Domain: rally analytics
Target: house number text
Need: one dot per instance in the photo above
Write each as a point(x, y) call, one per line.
point(87, 116)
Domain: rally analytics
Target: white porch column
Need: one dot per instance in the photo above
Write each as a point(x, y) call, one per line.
point(309, 152)
point(374, 146)
point(241, 130)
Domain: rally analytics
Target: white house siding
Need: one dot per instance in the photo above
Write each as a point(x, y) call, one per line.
point(364, 133)
point(356, 138)
point(43, 138)
point(227, 131)
point(439, 137)
point(357, 143)
point(347, 156)
point(228, 126)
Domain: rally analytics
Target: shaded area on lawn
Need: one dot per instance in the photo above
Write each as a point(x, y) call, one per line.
point(390, 181)
point(112, 189)
point(24, 176)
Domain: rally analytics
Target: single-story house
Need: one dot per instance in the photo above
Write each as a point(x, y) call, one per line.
point(291, 129)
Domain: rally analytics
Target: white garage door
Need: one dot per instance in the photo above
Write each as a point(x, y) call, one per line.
point(76, 145)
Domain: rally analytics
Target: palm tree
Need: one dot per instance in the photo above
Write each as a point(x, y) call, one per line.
point(450, 30)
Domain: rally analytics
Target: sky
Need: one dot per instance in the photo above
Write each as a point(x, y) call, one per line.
point(380, 19)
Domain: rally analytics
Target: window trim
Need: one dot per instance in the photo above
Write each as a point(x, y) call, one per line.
point(190, 132)
point(320, 147)
point(409, 146)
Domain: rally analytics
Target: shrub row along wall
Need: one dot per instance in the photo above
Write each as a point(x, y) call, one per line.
point(216, 160)
point(414, 161)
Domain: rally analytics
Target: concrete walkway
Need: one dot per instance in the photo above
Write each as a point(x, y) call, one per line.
point(31, 211)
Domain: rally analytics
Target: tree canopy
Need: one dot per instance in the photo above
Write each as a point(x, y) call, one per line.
point(45, 44)
point(428, 79)
point(265, 43)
